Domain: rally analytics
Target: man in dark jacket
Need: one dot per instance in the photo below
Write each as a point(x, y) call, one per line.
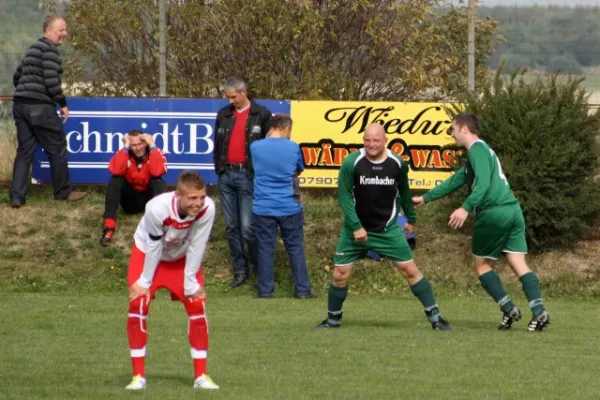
point(137, 170)
point(238, 125)
point(38, 89)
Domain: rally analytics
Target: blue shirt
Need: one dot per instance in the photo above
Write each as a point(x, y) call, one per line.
point(277, 162)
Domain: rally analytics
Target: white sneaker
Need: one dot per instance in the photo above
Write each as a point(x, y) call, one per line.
point(204, 382)
point(137, 383)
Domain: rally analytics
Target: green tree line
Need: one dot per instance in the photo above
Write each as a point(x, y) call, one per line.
point(302, 49)
point(546, 38)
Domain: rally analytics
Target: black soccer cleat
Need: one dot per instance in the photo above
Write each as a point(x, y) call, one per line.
point(441, 325)
point(539, 323)
point(327, 323)
point(510, 316)
point(107, 234)
point(332, 321)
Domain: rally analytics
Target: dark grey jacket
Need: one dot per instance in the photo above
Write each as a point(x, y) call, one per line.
point(38, 77)
point(257, 127)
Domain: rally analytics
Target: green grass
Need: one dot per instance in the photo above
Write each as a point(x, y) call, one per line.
point(50, 246)
point(74, 346)
point(63, 312)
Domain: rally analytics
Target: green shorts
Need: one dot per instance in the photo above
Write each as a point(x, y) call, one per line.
point(499, 230)
point(389, 244)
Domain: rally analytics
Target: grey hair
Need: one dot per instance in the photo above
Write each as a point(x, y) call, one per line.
point(48, 21)
point(235, 83)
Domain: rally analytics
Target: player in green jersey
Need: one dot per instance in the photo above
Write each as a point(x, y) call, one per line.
point(372, 187)
point(499, 226)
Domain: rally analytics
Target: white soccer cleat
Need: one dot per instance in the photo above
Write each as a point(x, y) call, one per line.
point(204, 382)
point(137, 383)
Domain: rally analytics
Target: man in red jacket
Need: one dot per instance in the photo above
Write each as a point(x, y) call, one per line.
point(137, 171)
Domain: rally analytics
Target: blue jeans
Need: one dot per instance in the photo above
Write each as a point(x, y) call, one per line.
point(236, 192)
point(292, 233)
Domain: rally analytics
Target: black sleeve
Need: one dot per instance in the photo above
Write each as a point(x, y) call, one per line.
point(216, 151)
point(266, 116)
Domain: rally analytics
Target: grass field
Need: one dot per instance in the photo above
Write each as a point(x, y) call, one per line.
point(63, 311)
point(63, 307)
point(74, 346)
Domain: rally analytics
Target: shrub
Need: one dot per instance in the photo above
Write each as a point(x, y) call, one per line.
point(547, 140)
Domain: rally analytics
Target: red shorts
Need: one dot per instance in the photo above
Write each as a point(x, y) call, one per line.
point(168, 275)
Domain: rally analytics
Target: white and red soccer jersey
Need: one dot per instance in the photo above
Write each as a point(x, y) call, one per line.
point(162, 235)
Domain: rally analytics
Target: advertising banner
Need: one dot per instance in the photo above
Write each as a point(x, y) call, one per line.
point(328, 131)
point(182, 128)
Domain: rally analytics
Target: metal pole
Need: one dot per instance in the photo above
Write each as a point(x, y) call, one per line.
point(162, 49)
point(471, 46)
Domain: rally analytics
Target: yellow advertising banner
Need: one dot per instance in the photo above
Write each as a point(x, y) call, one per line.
point(327, 131)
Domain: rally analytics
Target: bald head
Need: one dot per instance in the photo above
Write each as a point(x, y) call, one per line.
point(374, 141)
point(375, 129)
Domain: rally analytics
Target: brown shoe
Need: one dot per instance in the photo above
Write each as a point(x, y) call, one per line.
point(76, 196)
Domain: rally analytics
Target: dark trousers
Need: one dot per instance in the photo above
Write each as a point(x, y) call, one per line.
point(236, 193)
point(119, 191)
point(39, 124)
point(292, 233)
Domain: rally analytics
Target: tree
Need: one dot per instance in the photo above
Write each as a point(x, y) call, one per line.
point(300, 49)
point(543, 34)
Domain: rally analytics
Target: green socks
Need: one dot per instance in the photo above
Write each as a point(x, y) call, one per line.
point(423, 291)
point(492, 284)
point(335, 300)
point(531, 287)
point(533, 292)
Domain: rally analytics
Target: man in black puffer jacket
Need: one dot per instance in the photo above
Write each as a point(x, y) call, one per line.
point(38, 88)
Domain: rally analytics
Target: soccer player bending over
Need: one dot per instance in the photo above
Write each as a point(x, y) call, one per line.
point(372, 186)
point(169, 244)
point(499, 225)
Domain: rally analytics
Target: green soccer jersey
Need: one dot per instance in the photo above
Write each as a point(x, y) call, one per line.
point(371, 193)
point(488, 187)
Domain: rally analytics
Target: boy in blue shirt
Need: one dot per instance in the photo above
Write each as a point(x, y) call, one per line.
point(277, 161)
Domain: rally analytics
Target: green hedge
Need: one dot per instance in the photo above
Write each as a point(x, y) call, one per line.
point(547, 140)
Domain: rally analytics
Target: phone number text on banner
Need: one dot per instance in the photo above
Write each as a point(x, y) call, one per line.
point(328, 131)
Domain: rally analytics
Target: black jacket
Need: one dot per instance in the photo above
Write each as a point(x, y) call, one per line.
point(38, 77)
point(259, 123)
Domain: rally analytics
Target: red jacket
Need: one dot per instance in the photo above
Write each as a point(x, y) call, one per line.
point(153, 165)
